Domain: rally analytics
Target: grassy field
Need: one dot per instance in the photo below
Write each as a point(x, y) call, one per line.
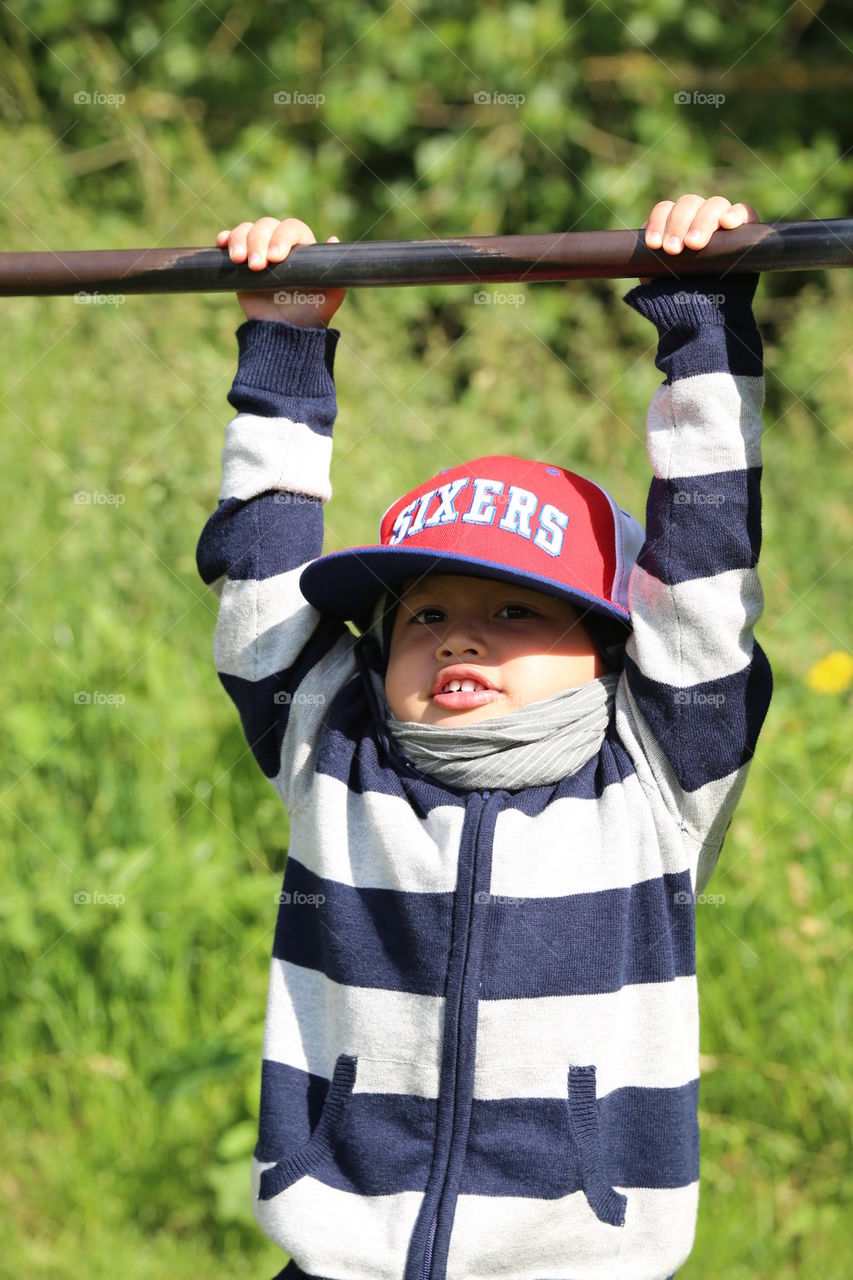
point(133, 1021)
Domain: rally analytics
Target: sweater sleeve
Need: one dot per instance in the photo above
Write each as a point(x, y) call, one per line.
point(280, 661)
point(696, 684)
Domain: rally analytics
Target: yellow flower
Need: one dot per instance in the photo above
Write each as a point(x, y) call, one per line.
point(832, 674)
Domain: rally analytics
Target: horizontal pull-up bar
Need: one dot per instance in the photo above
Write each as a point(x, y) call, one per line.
point(568, 255)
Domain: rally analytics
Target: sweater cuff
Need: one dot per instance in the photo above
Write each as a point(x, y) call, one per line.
point(692, 302)
point(287, 358)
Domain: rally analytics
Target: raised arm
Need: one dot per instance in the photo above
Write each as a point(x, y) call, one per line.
point(696, 684)
point(278, 658)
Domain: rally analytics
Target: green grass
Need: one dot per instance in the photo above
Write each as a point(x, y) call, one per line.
point(132, 1031)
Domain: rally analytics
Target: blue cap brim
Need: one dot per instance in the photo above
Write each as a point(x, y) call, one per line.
point(346, 584)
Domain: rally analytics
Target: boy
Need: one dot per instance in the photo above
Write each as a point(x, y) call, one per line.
point(481, 1047)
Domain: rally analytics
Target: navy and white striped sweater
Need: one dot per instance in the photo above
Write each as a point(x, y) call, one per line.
point(481, 1047)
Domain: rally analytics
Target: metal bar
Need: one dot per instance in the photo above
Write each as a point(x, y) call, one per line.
point(570, 255)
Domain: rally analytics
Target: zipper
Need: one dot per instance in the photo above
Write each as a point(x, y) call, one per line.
point(427, 1262)
point(428, 1254)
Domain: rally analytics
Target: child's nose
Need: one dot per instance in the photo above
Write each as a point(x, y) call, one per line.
point(462, 637)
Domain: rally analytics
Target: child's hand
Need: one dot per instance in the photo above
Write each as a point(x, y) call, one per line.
point(269, 240)
point(691, 220)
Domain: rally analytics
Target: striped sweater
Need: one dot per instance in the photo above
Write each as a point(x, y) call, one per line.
point(481, 1044)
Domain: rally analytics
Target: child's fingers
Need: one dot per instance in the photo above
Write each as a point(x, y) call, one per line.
point(691, 220)
point(276, 245)
point(713, 213)
point(258, 241)
point(737, 214)
point(678, 223)
point(237, 241)
point(656, 223)
point(285, 235)
point(266, 238)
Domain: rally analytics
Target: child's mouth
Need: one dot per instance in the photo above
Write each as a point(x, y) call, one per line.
point(461, 695)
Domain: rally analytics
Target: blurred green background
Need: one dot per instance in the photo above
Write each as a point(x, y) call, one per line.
point(133, 1022)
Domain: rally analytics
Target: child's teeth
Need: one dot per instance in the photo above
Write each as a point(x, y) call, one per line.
point(462, 686)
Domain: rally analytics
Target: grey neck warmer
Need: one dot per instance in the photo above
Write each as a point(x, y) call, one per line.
point(540, 743)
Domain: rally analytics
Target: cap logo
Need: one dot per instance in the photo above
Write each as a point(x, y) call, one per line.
point(502, 517)
point(485, 498)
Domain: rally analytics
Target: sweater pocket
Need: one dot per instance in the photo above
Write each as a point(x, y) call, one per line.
point(320, 1146)
point(607, 1205)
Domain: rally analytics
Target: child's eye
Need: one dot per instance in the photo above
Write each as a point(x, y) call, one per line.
point(416, 616)
point(523, 608)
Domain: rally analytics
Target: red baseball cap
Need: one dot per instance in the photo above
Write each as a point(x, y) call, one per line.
point(501, 517)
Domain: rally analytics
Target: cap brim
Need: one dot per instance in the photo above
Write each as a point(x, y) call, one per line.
point(346, 584)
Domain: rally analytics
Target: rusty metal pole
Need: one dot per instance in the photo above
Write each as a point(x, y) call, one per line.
point(570, 255)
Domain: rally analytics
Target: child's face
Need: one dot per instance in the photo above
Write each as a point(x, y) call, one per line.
point(525, 644)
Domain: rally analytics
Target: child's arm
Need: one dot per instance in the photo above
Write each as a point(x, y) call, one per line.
point(697, 685)
point(280, 662)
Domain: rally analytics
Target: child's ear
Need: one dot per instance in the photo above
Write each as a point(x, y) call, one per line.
point(387, 629)
point(609, 638)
